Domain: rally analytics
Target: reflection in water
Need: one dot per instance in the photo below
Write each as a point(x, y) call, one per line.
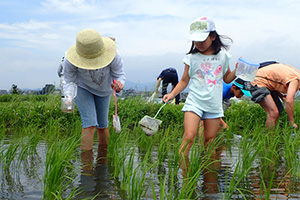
point(95, 181)
point(270, 184)
point(20, 180)
point(212, 178)
point(212, 187)
point(23, 180)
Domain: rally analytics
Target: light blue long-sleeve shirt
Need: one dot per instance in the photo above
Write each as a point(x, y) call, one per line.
point(96, 81)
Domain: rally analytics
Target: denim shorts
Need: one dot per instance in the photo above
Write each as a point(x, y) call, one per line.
point(93, 109)
point(202, 114)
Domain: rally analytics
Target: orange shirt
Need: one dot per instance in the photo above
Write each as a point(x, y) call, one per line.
point(272, 75)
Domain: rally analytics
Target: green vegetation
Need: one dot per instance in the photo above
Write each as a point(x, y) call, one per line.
point(44, 143)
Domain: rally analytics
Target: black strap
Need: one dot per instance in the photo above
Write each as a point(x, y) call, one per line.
point(263, 64)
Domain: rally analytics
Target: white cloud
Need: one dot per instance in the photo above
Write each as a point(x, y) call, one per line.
point(69, 6)
point(150, 34)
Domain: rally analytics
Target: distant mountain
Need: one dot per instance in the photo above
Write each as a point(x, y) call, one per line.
point(146, 86)
point(150, 86)
point(139, 86)
point(28, 89)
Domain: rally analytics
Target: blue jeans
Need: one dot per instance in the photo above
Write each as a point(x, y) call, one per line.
point(93, 109)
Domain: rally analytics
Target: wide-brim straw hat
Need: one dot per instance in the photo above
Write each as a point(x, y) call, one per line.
point(91, 51)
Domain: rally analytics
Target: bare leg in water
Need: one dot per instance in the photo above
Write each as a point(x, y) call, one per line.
point(87, 142)
point(103, 136)
point(191, 124)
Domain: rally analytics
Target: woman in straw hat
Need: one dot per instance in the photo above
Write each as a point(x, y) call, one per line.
point(93, 63)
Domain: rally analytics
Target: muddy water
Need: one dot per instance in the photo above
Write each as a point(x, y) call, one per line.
point(24, 180)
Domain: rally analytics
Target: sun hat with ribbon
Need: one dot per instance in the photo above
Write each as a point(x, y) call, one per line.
point(91, 51)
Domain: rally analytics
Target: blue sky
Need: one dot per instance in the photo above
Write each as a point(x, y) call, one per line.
point(150, 35)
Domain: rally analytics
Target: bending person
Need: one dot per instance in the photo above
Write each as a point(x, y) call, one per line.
point(275, 81)
point(168, 76)
point(93, 63)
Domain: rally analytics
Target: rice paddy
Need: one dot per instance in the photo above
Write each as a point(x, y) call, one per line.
point(40, 155)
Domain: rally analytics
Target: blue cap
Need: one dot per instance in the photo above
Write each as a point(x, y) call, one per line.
point(244, 86)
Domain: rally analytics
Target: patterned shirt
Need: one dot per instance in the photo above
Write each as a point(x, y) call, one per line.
point(206, 80)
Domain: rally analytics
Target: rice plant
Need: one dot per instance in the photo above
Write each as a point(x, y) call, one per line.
point(58, 158)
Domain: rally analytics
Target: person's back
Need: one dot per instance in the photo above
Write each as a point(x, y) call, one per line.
point(276, 77)
point(168, 76)
point(273, 84)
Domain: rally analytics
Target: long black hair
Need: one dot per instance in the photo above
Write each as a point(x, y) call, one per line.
point(217, 43)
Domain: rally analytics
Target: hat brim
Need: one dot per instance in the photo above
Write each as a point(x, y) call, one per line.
point(106, 57)
point(246, 92)
point(199, 37)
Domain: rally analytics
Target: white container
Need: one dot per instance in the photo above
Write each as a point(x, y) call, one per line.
point(67, 104)
point(69, 93)
point(246, 69)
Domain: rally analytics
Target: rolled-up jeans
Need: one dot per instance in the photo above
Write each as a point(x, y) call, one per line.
point(93, 109)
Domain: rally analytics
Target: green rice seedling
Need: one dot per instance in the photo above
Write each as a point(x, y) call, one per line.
point(2, 131)
point(146, 143)
point(58, 158)
point(10, 153)
point(28, 148)
point(248, 152)
point(162, 151)
point(162, 190)
point(58, 195)
point(189, 186)
point(199, 159)
point(290, 152)
point(117, 152)
point(2, 138)
point(167, 186)
point(266, 185)
point(127, 170)
point(238, 182)
point(290, 146)
point(233, 188)
point(269, 157)
point(196, 158)
point(138, 186)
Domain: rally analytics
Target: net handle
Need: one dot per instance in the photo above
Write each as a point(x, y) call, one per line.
point(160, 109)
